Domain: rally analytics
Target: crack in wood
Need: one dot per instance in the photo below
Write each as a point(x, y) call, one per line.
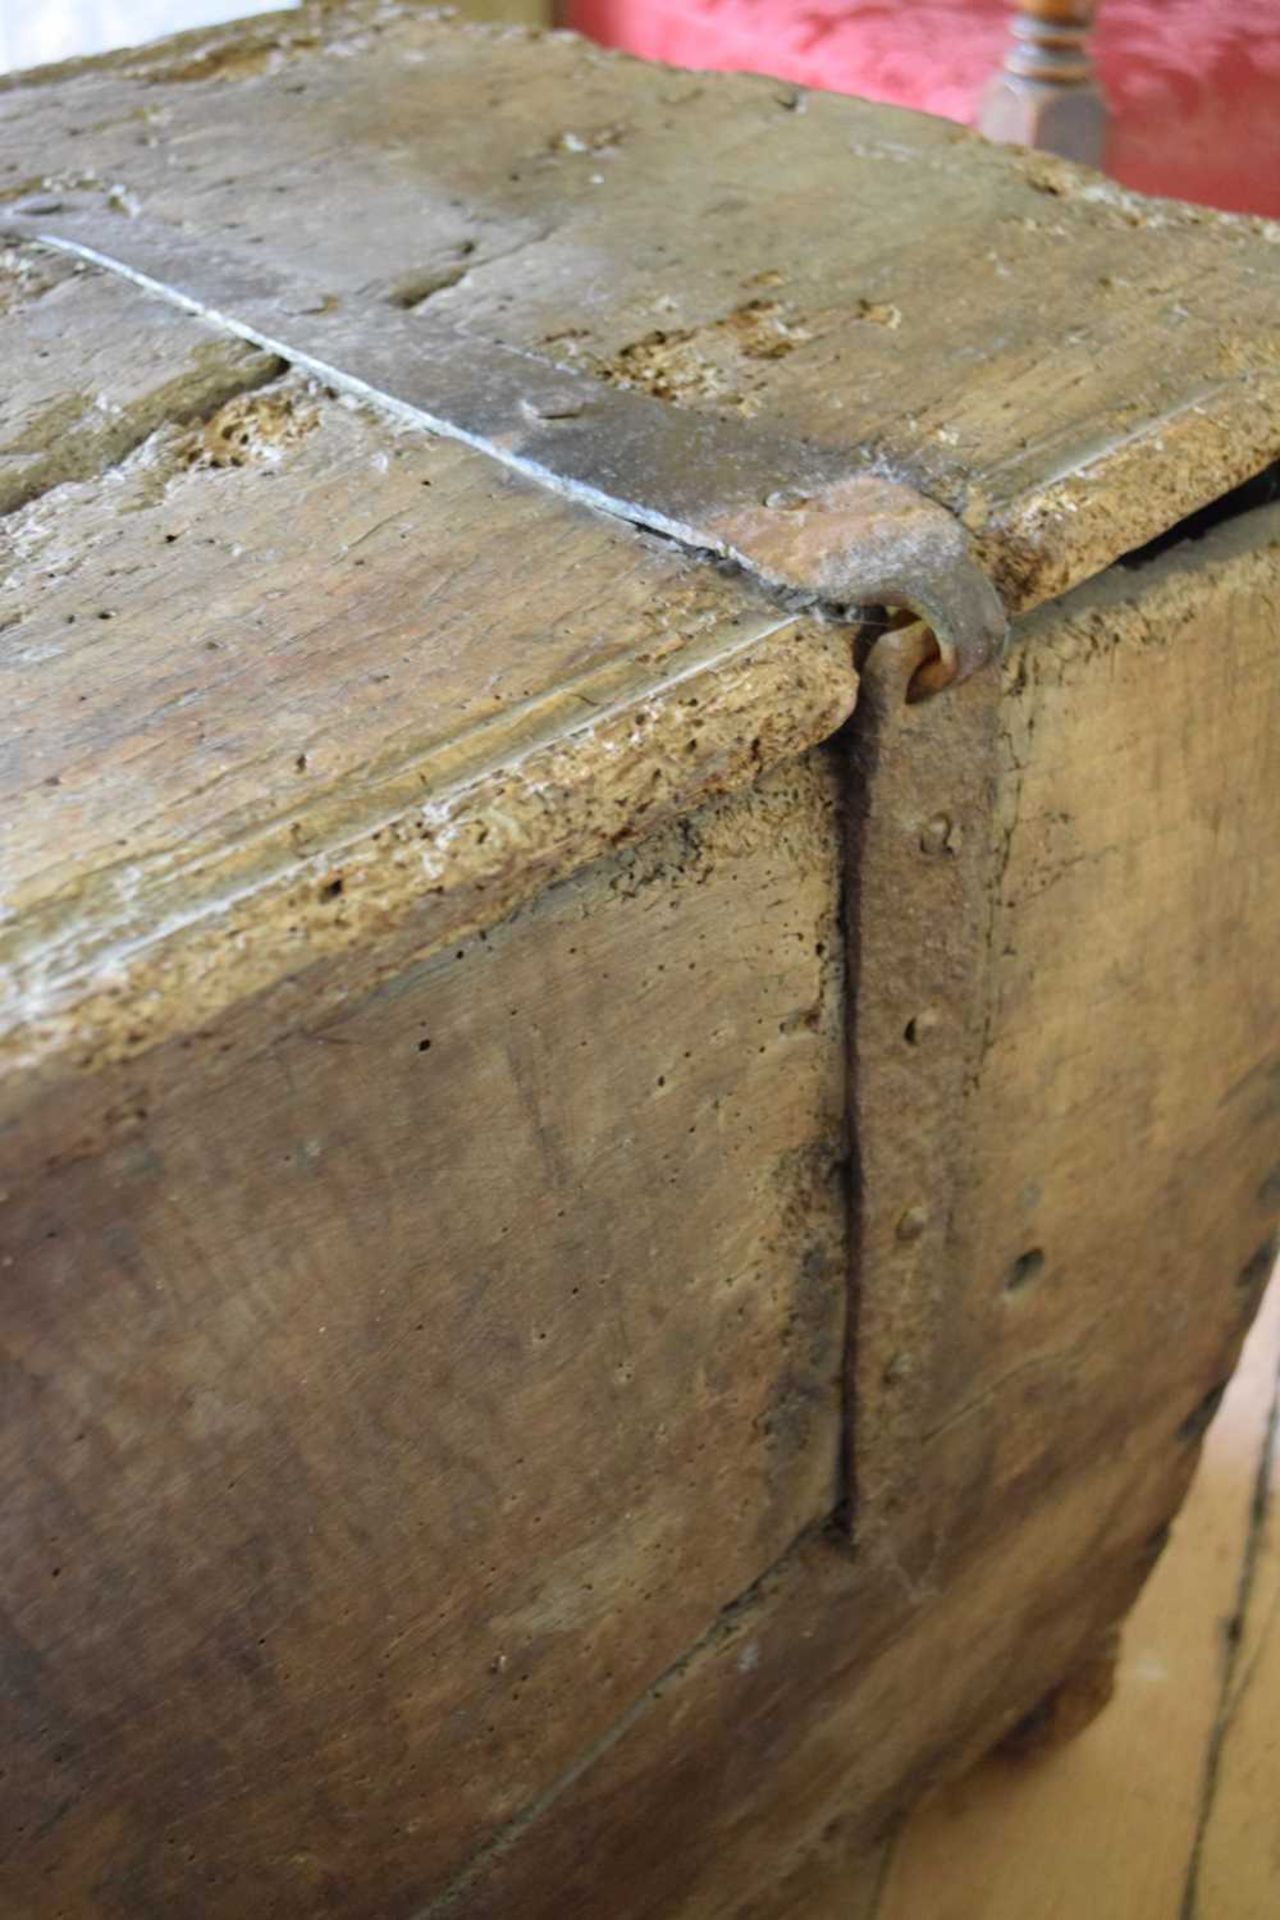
point(822, 531)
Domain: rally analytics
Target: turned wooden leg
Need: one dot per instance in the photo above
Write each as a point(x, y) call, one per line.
point(1078, 1698)
point(1047, 93)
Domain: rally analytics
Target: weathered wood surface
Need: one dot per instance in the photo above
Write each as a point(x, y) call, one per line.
point(318, 1331)
point(815, 1714)
point(90, 372)
point(1116, 1194)
point(805, 1707)
point(979, 321)
point(379, 1426)
point(1135, 1153)
point(274, 689)
point(603, 245)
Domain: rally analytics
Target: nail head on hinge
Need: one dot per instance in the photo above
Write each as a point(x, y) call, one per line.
point(554, 406)
point(847, 543)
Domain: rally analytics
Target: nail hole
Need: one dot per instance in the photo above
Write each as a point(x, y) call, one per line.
point(1024, 1270)
point(920, 1025)
point(912, 1223)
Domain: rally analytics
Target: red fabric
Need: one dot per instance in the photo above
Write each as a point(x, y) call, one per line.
point(1194, 85)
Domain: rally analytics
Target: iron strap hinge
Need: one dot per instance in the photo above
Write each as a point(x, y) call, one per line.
point(808, 522)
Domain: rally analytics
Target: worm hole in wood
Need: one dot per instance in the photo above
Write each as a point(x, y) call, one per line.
point(1024, 1270)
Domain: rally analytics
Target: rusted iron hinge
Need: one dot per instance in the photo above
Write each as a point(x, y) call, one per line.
point(812, 523)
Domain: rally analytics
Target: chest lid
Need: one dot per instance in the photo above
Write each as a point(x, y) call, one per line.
point(437, 453)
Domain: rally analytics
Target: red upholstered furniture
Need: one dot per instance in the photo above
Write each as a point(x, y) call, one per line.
point(1193, 85)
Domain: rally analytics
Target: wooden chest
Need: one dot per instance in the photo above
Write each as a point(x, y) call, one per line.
point(636, 1141)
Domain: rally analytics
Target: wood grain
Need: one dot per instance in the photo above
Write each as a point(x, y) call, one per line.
point(379, 1425)
point(1123, 1124)
point(441, 990)
point(1066, 1395)
point(978, 322)
point(99, 372)
point(597, 244)
point(265, 638)
point(804, 1722)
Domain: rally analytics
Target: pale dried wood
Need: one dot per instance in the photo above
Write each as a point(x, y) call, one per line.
point(382, 1423)
point(97, 372)
point(1132, 1016)
point(1116, 1186)
point(577, 244)
point(838, 270)
point(254, 1011)
point(290, 646)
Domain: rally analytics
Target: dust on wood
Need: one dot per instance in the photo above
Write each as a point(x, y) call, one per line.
point(99, 372)
point(451, 1297)
point(708, 363)
point(909, 292)
point(1134, 1154)
point(427, 1389)
point(292, 537)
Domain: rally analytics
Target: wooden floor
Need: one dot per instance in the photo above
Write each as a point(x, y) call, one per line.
point(1168, 1807)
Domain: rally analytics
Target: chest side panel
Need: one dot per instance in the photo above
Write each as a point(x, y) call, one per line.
point(383, 1422)
point(1112, 1202)
point(1114, 1239)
